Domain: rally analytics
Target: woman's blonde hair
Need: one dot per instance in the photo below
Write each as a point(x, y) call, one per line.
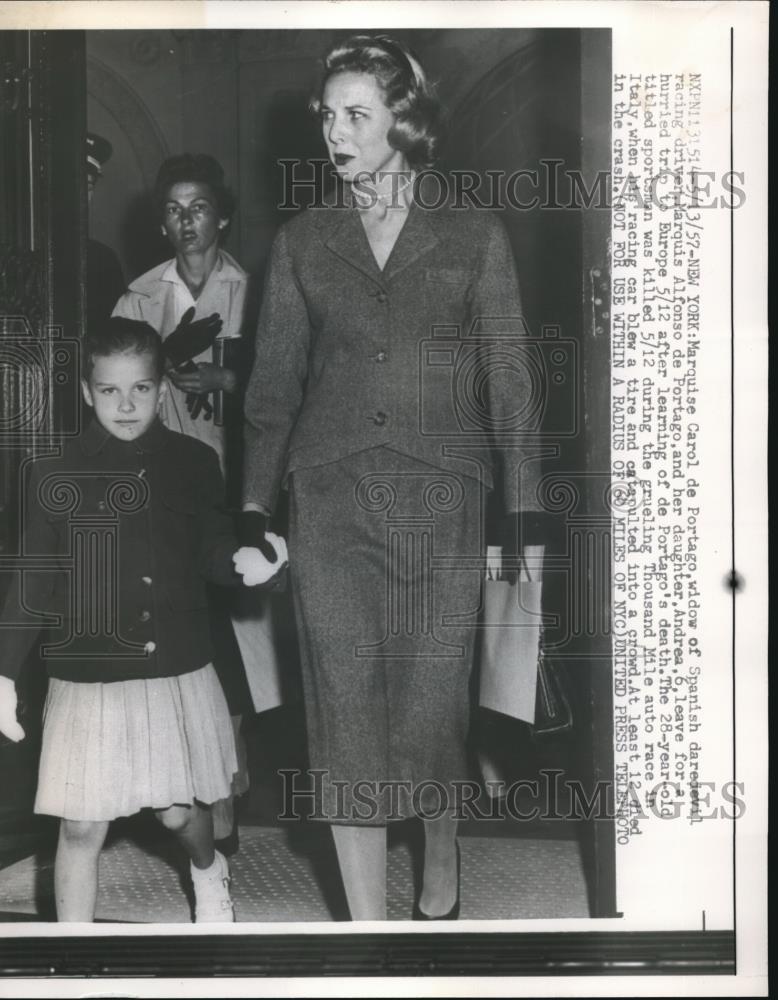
point(418, 129)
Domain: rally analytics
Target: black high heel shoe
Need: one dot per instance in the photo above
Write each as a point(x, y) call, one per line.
point(453, 913)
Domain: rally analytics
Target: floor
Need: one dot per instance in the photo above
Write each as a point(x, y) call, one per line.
point(285, 875)
point(287, 871)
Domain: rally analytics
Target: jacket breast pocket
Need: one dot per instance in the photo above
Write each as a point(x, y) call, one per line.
point(447, 293)
point(448, 275)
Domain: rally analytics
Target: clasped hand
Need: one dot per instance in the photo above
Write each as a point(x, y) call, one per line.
point(527, 569)
point(255, 568)
point(9, 726)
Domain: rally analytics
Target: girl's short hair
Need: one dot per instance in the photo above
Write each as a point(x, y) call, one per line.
point(122, 336)
point(199, 168)
point(419, 129)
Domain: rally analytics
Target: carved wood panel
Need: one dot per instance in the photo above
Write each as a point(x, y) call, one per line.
point(42, 241)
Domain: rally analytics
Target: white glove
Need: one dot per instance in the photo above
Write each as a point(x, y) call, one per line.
point(8, 725)
point(253, 566)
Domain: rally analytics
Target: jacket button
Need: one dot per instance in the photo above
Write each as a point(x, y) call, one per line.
point(145, 616)
point(381, 297)
point(146, 580)
point(150, 647)
point(379, 418)
point(381, 356)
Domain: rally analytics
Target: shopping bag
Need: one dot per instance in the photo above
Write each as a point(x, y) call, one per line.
point(264, 627)
point(511, 641)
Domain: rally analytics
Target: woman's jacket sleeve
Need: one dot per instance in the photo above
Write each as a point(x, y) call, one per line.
point(275, 390)
point(510, 374)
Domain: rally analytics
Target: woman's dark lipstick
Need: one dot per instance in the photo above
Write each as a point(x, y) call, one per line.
point(342, 158)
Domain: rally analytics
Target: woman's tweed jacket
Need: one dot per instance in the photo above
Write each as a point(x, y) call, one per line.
point(349, 357)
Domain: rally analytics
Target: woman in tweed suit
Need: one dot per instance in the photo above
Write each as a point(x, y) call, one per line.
point(376, 312)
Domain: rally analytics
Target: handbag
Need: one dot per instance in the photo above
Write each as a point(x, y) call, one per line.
point(553, 711)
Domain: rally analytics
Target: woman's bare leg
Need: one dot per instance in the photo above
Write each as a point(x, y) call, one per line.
point(440, 888)
point(362, 859)
point(76, 868)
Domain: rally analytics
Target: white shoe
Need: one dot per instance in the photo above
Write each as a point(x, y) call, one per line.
point(213, 903)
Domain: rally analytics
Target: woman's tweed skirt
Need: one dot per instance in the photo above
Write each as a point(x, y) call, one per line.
point(386, 560)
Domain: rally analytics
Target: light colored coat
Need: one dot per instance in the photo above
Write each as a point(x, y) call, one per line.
point(160, 298)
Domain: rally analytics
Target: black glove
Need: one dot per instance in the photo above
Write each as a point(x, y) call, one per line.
point(190, 339)
point(196, 401)
point(186, 342)
point(251, 533)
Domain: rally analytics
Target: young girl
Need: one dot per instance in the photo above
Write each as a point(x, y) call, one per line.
point(135, 716)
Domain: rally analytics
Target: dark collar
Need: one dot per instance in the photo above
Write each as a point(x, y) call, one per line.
point(95, 438)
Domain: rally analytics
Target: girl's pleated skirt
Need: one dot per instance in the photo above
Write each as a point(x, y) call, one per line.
point(110, 750)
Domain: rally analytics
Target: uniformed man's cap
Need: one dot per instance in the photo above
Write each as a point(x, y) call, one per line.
point(98, 152)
